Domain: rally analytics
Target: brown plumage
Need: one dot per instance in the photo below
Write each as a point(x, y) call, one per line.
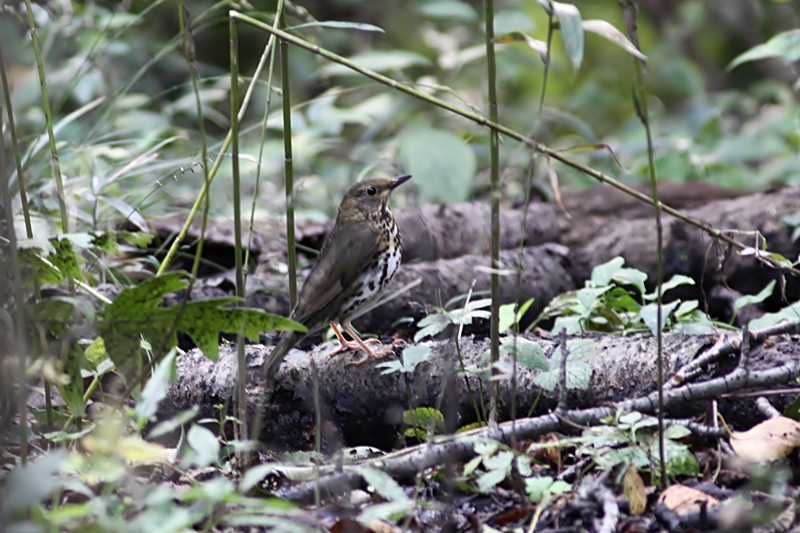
point(357, 260)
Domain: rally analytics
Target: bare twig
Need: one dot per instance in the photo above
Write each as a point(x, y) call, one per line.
point(562, 372)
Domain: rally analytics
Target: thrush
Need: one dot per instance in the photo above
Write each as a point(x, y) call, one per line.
point(355, 265)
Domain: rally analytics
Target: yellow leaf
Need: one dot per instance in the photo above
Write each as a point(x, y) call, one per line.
point(634, 490)
point(684, 500)
point(770, 440)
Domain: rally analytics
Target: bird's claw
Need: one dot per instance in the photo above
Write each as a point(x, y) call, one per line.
point(350, 345)
point(385, 351)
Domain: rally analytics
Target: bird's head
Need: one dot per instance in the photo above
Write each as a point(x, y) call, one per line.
point(369, 197)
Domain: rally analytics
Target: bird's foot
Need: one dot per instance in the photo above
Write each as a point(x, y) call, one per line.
point(379, 354)
point(345, 345)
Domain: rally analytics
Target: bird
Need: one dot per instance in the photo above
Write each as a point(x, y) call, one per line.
point(358, 259)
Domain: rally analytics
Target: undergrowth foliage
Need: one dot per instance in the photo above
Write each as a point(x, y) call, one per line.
point(89, 346)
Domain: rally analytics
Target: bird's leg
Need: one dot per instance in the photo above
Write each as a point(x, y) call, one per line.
point(344, 344)
point(383, 352)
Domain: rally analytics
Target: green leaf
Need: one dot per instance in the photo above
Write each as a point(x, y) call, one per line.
point(65, 258)
point(135, 314)
point(785, 45)
point(155, 389)
point(589, 295)
point(360, 26)
point(203, 321)
point(611, 33)
point(631, 276)
point(472, 465)
point(414, 355)
point(419, 418)
point(379, 61)
point(604, 273)
point(676, 281)
point(536, 45)
point(579, 373)
point(136, 238)
point(470, 311)
point(490, 479)
point(680, 460)
point(499, 461)
point(431, 326)
point(793, 409)
point(383, 484)
point(528, 353)
point(569, 18)
point(204, 444)
point(539, 487)
point(451, 10)
point(748, 299)
point(173, 423)
point(686, 308)
point(442, 164)
point(677, 432)
point(790, 313)
point(72, 392)
point(509, 318)
point(649, 314)
point(29, 484)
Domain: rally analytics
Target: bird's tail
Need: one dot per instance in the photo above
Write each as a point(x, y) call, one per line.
point(286, 342)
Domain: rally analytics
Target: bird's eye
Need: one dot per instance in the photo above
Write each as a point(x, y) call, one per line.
point(371, 191)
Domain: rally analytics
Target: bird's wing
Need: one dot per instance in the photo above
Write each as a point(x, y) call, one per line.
point(341, 260)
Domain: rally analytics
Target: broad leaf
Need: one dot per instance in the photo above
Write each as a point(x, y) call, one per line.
point(785, 45)
point(383, 484)
point(569, 18)
point(135, 315)
point(442, 164)
point(610, 32)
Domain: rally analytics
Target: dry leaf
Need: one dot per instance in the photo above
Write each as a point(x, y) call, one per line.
point(634, 490)
point(684, 500)
point(379, 526)
point(770, 440)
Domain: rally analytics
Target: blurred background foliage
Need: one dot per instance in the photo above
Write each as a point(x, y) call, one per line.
point(127, 128)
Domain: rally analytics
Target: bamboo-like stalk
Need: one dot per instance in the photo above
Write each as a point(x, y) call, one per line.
point(62, 202)
point(508, 132)
point(23, 195)
point(289, 168)
point(56, 166)
point(19, 301)
point(279, 18)
point(494, 168)
point(237, 223)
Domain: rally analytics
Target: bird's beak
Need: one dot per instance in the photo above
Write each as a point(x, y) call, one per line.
point(400, 180)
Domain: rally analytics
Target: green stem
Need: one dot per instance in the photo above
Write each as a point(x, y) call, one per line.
point(640, 101)
point(494, 157)
point(19, 301)
point(62, 203)
point(289, 168)
point(237, 224)
point(512, 134)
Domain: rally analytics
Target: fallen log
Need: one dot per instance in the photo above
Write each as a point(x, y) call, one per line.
point(692, 252)
point(362, 406)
